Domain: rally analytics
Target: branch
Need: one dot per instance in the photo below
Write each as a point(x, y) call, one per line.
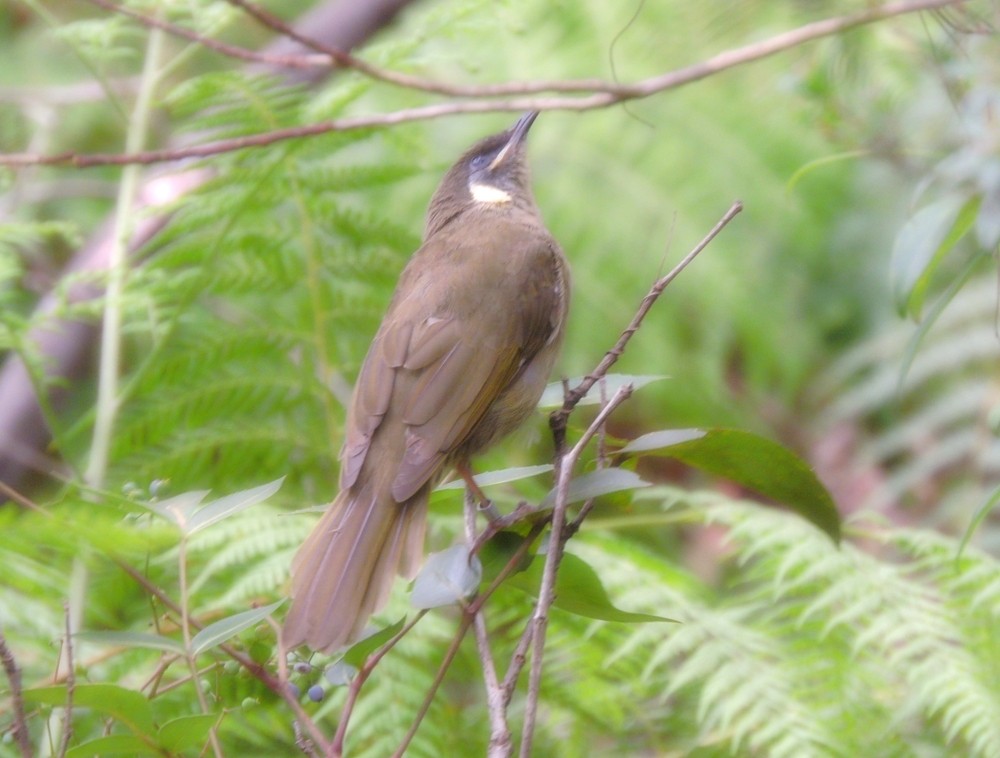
point(20, 724)
point(255, 669)
point(354, 690)
point(28, 402)
point(233, 51)
point(557, 546)
point(500, 736)
point(67, 726)
point(559, 418)
point(603, 94)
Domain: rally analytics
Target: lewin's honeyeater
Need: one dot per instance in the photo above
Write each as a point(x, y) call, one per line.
point(459, 361)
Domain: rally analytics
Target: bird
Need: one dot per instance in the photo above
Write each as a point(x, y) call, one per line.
point(459, 361)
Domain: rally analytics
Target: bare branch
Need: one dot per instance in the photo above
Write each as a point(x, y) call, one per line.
point(233, 51)
point(557, 545)
point(255, 669)
point(354, 690)
point(67, 719)
point(20, 724)
point(575, 395)
point(500, 736)
point(603, 94)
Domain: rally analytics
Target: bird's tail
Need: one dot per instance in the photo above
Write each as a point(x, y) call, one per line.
point(344, 571)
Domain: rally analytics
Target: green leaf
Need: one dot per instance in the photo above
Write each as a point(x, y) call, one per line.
point(340, 673)
point(661, 439)
point(113, 744)
point(179, 509)
point(186, 732)
point(578, 591)
point(129, 707)
point(763, 466)
point(597, 483)
point(132, 639)
point(922, 244)
point(552, 397)
point(498, 551)
point(220, 631)
point(446, 578)
point(226, 506)
point(358, 653)
point(502, 476)
point(981, 513)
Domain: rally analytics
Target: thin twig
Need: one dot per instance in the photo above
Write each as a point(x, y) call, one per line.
point(67, 727)
point(255, 669)
point(500, 737)
point(189, 653)
point(336, 747)
point(20, 723)
point(469, 613)
point(11, 493)
point(575, 395)
point(233, 51)
point(546, 593)
point(425, 706)
point(603, 94)
point(302, 742)
point(106, 404)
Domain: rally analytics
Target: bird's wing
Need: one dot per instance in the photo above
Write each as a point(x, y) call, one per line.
point(436, 380)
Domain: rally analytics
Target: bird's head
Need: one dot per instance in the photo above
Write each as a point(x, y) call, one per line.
point(492, 174)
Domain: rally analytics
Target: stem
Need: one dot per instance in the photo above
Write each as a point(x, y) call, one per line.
point(20, 724)
point(107, 384)
point(188, 650)
point(314, 274)
point(500, 736)
point(67, 727)
point(557, 545)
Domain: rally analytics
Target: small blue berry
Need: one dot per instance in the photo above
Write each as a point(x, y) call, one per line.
point(315, 693)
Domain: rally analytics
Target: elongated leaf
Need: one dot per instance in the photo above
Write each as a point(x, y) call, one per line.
point(133, 639)
point(340, 673)
point(179, 509)
point(552, 397)
point(220, 631)
point(578, 591)
point(500, 477)
point(226, 506)
point(922, 244)
point(186, 732)
point(763, 466)
point(129, 707)
point(496, 553)
point(661, 439)
point(981, 513)
point(359, 651)
point(446, 578)
point(597, 483)
point(113, 744)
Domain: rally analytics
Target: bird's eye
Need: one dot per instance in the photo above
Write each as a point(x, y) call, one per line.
point(479, 162)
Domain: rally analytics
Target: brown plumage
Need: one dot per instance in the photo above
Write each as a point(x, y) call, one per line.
point(459, 361)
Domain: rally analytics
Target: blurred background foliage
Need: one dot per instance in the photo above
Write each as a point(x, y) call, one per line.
point(850, 312)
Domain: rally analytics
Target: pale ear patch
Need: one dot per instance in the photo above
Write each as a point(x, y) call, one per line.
point(487, 193)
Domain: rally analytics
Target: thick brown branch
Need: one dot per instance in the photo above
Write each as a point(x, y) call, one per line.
point(603, 94)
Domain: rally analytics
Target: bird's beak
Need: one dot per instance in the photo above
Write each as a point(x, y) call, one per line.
point(517, 134)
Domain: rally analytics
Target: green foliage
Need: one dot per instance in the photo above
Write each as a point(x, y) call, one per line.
point(247, 316)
